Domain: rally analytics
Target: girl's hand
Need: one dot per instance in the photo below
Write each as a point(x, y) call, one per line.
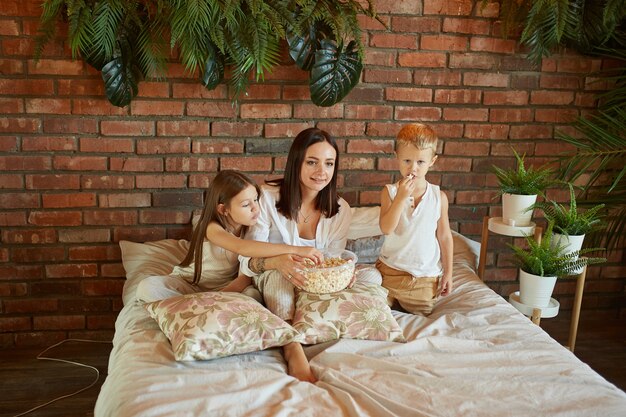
point(406, 187)
point(311, 253)
point(290, 267)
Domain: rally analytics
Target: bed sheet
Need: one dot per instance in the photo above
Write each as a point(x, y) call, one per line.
point(475, 355)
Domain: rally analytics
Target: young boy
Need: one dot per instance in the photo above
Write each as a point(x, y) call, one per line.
point(416, 258)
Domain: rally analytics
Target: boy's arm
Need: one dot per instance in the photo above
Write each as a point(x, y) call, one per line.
point(390, 212)
point(220, 237)
point(444, 237)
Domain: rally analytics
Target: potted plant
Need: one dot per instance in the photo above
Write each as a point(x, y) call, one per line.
point(519, 188)
point(570, 224)
point(541, 263)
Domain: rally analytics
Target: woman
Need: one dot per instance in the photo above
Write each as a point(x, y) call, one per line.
point(301, 209)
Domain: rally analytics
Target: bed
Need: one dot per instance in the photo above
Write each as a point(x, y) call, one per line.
point(475, 355)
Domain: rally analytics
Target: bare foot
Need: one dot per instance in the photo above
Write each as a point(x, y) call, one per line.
point(297, 363)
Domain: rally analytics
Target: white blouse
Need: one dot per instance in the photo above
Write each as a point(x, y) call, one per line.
point(273, 227)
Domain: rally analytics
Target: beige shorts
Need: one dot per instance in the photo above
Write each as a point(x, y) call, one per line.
point(415, 295)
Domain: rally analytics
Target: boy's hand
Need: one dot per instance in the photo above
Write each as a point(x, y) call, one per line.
point(446, 285)
point(311, 253)
point(406, 187)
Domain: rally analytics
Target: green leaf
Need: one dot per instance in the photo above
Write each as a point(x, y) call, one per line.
point(335, 73)
point(302, 48)
point(213, 69)
point(121, 76)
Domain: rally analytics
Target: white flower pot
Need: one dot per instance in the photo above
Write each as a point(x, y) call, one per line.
point(571, 243)
point(535, 291)
point(514, 209)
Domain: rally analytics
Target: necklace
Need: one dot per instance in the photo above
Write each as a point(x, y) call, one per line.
point(305, 219)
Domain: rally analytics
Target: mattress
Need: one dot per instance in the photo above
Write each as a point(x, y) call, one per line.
point(475, 355)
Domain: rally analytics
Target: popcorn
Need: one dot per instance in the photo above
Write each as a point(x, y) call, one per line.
point(334, 274)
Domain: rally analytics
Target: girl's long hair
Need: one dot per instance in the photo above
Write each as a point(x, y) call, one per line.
point(226, 185)
point(327, 200)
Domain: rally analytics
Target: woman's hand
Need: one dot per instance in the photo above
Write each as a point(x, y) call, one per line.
point(311, 253)
point(290, 267)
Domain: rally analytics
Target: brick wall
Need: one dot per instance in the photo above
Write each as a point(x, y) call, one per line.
point(77, 174)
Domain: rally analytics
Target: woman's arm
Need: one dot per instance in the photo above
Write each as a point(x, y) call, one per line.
point(444, 237)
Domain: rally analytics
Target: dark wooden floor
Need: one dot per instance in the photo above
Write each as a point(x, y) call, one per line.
point(26, 382)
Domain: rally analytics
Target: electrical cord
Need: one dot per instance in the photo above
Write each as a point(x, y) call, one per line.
point(41, 357)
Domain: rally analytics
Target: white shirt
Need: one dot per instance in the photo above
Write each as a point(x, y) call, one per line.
point(413, 246)
point(273, 227)
point(219, 267)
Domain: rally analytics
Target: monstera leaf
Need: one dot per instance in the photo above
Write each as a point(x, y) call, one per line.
point(302, 48)
point(121, 75)
point(335, 73)
point(213, 69)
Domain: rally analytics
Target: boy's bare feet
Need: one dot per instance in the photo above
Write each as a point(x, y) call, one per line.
point(297, 363)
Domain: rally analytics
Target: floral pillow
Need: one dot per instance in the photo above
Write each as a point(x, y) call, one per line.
point(360, 312)
point(215, 324)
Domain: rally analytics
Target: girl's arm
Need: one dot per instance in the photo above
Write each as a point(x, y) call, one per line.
point(444, 237)
point(220, 237)
point(390, 212)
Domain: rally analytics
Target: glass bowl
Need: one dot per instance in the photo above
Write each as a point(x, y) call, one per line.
point(333, 275)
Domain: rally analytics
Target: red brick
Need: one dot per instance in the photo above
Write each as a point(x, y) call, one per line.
point(343, 129)
point(55, 218)
point(384, 76)
point(579, 64)
point(491, 131)
point(466, 114)
point(9, 27)
point(467, 148)
point(369, 112)
point(413, 24)
point(136, 164)
point(236, 129)
point(531, 132)
point(56, 67)
point(48, 143)
point(72, 270)
point(458, 96)
point(393, 40)
point(417, 113)
point(485, 79)
point(469, 26)
point(31, 236)
point(186, 164)
point(160, 181)
point(266, 111)
point(586, 100)
point(378, 58)
point(399, 7)
point(475, 197)
point(286, 73)
point(502, 98)
point(103, 287)
point(25, 163)
point(354, 163)
point(80, 163)
point(262, 92)
point(554, 148)
point(83, 236)
point(300, 92)
point(8, 144)
point(197, 90)
point(153, 89)
point(97, 107)
point(566, 82)
point(157, 108)
point(127, 128)
point(409, 94)
point(11, 67)
point(20, 87)
point(422, 59)
point(164, 217)
point(250, 163)
point(474, 61)
point(311, 111)
point(70, 125)
point(494, 45)
point(53, 182)
point(424, 78)
point(370, 146)
point(19, 200)
point(107, 145)
point(367, 198)
point(510, 115)
point(125, 200)
point(107, 182)
point(95, 253)
point(556, 115)
point(163, 146)
point(446, 7)
point(368, 23)
point(13, 290)
point(82, 199)
point(213, 146)
point(441, 42)
point(58, 322)
point(9, 181)
point(11, 105)
point(12, 219)
point(81, 87)
point(19, 124)
point(107, 217)
point(551, 97)
point(491, 9)
point(211, 109)
point(136, 234)
point(183, 128)
point(448, 130)
point(445, 163)
point(14, 324)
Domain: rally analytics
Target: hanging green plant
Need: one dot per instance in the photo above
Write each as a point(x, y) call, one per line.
point(335, 73)
point(121, 76)
point(211, 35)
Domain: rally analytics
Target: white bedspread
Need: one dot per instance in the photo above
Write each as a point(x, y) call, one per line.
point(475, 355)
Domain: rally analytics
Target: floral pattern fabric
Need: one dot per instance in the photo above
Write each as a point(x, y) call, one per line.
point(360, 312)
point(216, 324)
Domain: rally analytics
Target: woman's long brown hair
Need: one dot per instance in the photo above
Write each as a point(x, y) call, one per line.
point(327, 200)
point(226, 185)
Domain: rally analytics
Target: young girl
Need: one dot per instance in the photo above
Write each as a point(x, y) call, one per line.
point(231, 206)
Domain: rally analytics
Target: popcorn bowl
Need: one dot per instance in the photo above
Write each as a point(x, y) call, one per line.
point(333, 275)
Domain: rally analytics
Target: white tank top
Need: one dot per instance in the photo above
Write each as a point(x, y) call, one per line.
point(219, 267)
point(413, 246)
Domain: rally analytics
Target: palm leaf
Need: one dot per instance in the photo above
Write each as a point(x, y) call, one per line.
point(48, 24)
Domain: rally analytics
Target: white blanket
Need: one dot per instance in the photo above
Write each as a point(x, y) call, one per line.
point(475, 355)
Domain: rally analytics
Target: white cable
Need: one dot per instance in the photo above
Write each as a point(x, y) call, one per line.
point(40, 357)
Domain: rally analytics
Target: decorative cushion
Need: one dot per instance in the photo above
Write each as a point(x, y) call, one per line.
point(360, 312)
point(216, 324)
